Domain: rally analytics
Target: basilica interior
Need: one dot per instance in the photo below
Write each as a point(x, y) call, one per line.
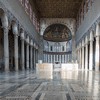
point(49, 49)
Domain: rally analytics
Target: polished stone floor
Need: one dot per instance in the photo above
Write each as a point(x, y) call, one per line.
point(71, 85)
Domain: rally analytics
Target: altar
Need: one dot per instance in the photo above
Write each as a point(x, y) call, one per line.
point(46, 70)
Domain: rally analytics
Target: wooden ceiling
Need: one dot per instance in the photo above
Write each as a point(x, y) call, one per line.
point(57, 8)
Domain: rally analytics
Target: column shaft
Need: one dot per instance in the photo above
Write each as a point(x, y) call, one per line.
point(51, 58)
point(80, 59)
point(54, 58)
point(36, 56)
point(27, 55)
point(86, 57)
point(97, 54)
point(34, 59)
point(78, 56)
point(91, 56)
point(31, 58)
point(83, 58)
point(16, 51)
point(22, 53)
point(6, 49)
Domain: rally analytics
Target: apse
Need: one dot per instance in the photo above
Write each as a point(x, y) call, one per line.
point(57, 40)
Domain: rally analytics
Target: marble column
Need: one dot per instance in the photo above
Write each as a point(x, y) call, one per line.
point(68, 58)
point(31, 54)
point(48, 58)
point(22, 51)
point(80, 57)
point(83, 55)
point(54, 58)
point(31, 57)
point(51, 58)
point(15, 32)
point(6, 49)
point(97, 53)
point(16, 51)
point(60, 58)
point(45, 58)
point(63, 58)
point(36, 55)
point(57, 57)
point(91, 52)
point(34, 58)
point(78, 54)
point(27, 52)
point(86, 53)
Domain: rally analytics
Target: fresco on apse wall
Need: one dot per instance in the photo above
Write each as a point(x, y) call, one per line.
point(57, 33)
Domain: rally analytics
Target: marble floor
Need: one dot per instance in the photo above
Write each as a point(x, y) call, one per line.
point(70, 85)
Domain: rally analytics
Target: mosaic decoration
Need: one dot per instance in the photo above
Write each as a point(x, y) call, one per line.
point(57, 33)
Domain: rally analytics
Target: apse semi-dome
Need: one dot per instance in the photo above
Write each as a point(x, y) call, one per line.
point(57, 33)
